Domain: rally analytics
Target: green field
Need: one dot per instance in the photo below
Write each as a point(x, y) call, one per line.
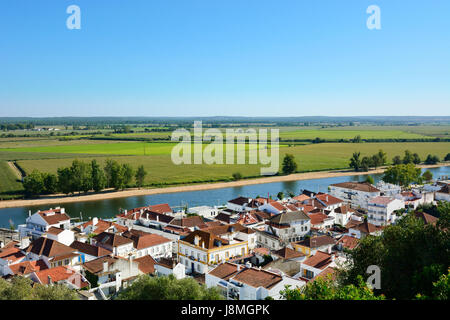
point(10, 186)
point(310, 157)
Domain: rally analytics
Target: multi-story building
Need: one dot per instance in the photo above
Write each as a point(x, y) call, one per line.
point(201, 250)
point(355, 193)
point(40, 222)
point(380, 210)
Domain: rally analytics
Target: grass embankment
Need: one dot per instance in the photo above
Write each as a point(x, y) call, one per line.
point(10, 185)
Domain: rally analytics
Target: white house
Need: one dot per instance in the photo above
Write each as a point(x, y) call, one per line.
point(316, 264)
point(443, 194)
point(239, 204)
point(355, 193)
point(166, 267)
point(39, 223)
point(149, 244)
point(120, 246)
point(238, 282)
point(205, 211)
point(381, 208)
point(63, 236)
point(342, 214)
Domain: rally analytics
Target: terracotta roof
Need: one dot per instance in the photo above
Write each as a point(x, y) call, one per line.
point(247, 218)
point(61, 273)
point(11, 254)
point(146, 264)
point(258, 278)
point(287, 253)
point(348, 242)
point(188, 222)
point(367, 228)
point(261, 251)
point(317, 218)
point(277, 205)
point(427, 218)
point(90, 249)
point(103, 225)
point(96, 266)
point(54, 230)
point(142, 240)
point(344, 209)
point(381, 200)
point(111, 239)
point(54, 216)
point(223, 217)
point(328, 199)
point(224, 271)
point(27, 267)
point(228, 228)
point(48, 248)
point(316, 242)
point(360, 186)
point(160, 208)
point(301, 197)
point(329, 271)
point(320, 260)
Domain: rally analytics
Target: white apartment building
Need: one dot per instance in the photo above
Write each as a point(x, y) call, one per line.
point(355, 193)
point(380, 210)
point(40, 222)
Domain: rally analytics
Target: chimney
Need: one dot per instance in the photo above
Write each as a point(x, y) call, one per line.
point(157, 218)
point(29, 213)
point(63, 210)
point(125, 211)
point(50, 280)
point(1, 244)
point(203, 244)
point(327, 198)
point(105, 266)
point(130, 260)
point(238, 267)
point(196, 240)
point(94, 221)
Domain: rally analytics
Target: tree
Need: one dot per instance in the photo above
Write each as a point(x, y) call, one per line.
point(402, 174)
point(237, 176)
point(376, 161)
point(396, 160)
point(98, 176)
point(140, 176)
point(50, 183)
point(370, 180)
point(280, 195)
point(289, 165)
point(355, 161)
point(357, 139)
point(34, 183)
point(416, 158)
point(427, 175)
point(20, 288)
point(65, 184)
point(411, 256)
point(408, 158)
point(382, 156)
point(365, 164)
point(447, 157)
point(432, 159)
point(327, 289)
point(81, 176)
point(109, 172)
point(127, 173)
point(168, 288)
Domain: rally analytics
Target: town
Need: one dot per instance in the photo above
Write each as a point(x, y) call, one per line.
point(248, 249)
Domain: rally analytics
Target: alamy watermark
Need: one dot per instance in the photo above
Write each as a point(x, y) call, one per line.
point(191, 149)
point(374, 280)
point(374, 20)
point(74, 20)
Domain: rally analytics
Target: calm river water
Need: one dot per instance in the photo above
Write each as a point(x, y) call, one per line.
point(110, 207)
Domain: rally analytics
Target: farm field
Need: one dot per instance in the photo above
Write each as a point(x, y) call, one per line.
point(10, 186)
point(312, 157)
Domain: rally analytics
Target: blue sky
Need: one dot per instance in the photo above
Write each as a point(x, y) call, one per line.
point(224, 57)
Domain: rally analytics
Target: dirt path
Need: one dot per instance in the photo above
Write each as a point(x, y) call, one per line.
point(16, 170)
point(109, 194)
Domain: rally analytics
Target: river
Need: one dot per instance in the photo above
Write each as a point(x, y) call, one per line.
point(109, 208)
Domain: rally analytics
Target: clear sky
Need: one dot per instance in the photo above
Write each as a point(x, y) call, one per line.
point(224, 58)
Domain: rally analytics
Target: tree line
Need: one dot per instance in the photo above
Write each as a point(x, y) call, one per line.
point(359, 163)
point(83, 177)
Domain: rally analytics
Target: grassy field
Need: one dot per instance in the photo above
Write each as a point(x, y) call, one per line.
point(10, 186)
point(311, 157)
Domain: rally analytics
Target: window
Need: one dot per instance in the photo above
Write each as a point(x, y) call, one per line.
point(227, 254)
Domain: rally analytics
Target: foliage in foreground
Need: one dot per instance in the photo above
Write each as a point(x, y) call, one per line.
point(168, 288)
point(412, 256)
point(328, 289)
point(20, 288)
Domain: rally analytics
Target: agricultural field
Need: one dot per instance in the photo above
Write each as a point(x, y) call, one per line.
point(311, 157)
point(10, 185)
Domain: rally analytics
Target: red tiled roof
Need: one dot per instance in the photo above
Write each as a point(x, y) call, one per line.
point(287, 253)
point(360, 186)
point(61, 273)
point(103, 225)
point(26, 267)
point(427, 218)
point(328, 199)
point(90, 249)
point(111, 239)
point(54, 216)
point(320, 260)
point(301, 197)
point(316, 242)
point(348, 242)
point(146, 264)
point(145, 240)
point(317, 218)
point(48, 248)
point(258, 278)
point(54, 230)
point(11, 254)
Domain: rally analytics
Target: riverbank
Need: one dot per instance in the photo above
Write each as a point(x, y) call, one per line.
point(110, 194)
